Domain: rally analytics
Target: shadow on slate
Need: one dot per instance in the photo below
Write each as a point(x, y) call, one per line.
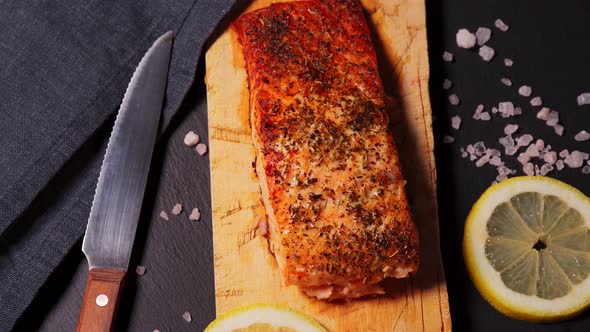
point(545, 40)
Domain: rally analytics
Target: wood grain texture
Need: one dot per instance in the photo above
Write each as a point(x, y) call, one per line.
point(245, 271)
point(96, 316)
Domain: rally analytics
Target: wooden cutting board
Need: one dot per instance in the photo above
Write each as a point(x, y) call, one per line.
point(245, 271)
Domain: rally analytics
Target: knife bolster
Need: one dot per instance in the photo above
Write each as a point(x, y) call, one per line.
point(100, 300)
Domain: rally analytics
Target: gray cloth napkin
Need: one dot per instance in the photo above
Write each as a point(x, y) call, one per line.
point(64, 67)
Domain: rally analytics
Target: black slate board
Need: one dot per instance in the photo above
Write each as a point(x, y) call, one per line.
point(548, 42)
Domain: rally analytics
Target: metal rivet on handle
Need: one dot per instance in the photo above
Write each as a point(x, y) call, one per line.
point(102, 300)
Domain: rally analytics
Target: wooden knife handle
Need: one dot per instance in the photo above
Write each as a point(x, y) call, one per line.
point(100, 300)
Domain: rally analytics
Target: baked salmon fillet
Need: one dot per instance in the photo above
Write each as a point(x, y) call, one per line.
point(338, 216)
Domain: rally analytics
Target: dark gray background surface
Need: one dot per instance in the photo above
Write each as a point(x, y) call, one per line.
point(548, 42)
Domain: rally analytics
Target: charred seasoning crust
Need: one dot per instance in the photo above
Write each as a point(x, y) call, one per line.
point(331, 165)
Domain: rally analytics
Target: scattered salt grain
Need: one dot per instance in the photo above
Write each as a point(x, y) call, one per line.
point(510, 150)
point(454, 100)
point(528, 169)
point(447, 84)
point(540, 144)
point(582, 136)
point(448, 139)
point(503, 170)
point(164, 215)
point(177, 209)
point(543, 114)
point(501, 25)
point(482, 161)
point(550, 157)
point(564, 153)
point(524, 140)
point(479, 148)
point(506, 81)
point(508, 62)
point(478, 111)
point(486, 53)
point(559, 165)
point(525, 91)
point(506, 109)
point(447, 56)
point(510, 129)
point(496, 161)
point(532, 151)
point(545, 169)
point(523, 158)
point(485, 116)
point(586, 170)
point(465, 39)
point(584, 98)
point(558, 129)
point(482, 35)
point(552, 118)
point(470, 149)
point(456, 122)
point(195, 215)
point(187, 316)
point(201, 149)
point(517, 111)
point(191, 139)
point(536, 101)
point(464, 154)
point(584, 155)
point(494, 110)
point(506, 141)
point(574, 160)
point(140, 270)
point(501, 178)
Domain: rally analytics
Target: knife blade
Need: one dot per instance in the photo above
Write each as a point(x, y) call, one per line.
point(121, 185)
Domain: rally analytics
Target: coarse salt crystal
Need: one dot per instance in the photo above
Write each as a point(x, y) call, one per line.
point(543, 114)
point(523, 158)
point(506, 141)
point(176, 209)
point(552, 118)
point(532, 150)
point(528, 169)
point(584, 155)
point(140, 270)
point(550, 157)
point(503, 170)
point(545, 169)
point(506, 107)
point(536, 101)
point(480, 148)
point(470, 149)
point(187, 316)
point(510, 150)
point(525, 91)
point(582, 136)
point(574, 160)
point(465, 39)
point(201, 149)
point(510, 129)
point(540, 144)
point(586, 169)
point(524, 140)
point(447, 84)
point(485, 116)
point(584, 99)
point(495, 161)
point(564, 153)
point(501, 178)
point(486, 53)
point(447, 56)
point(559, 165)
point(454, 100)
point(558, 129)
point(482, 161)
point(195, 215)
point(456, 122)
point(508, 62)
point(447, 139)
point(506, 81)
point(482, 35)
point(494, 110)
point(191, 139)
point(501, 25)
point(164, 215)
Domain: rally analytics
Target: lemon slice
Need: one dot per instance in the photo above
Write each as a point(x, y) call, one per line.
point(527, 248)
point(264, 318)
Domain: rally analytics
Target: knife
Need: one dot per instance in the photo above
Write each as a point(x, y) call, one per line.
point(119, 193)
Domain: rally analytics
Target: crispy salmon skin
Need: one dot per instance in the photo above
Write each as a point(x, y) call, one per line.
point(337, 211)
